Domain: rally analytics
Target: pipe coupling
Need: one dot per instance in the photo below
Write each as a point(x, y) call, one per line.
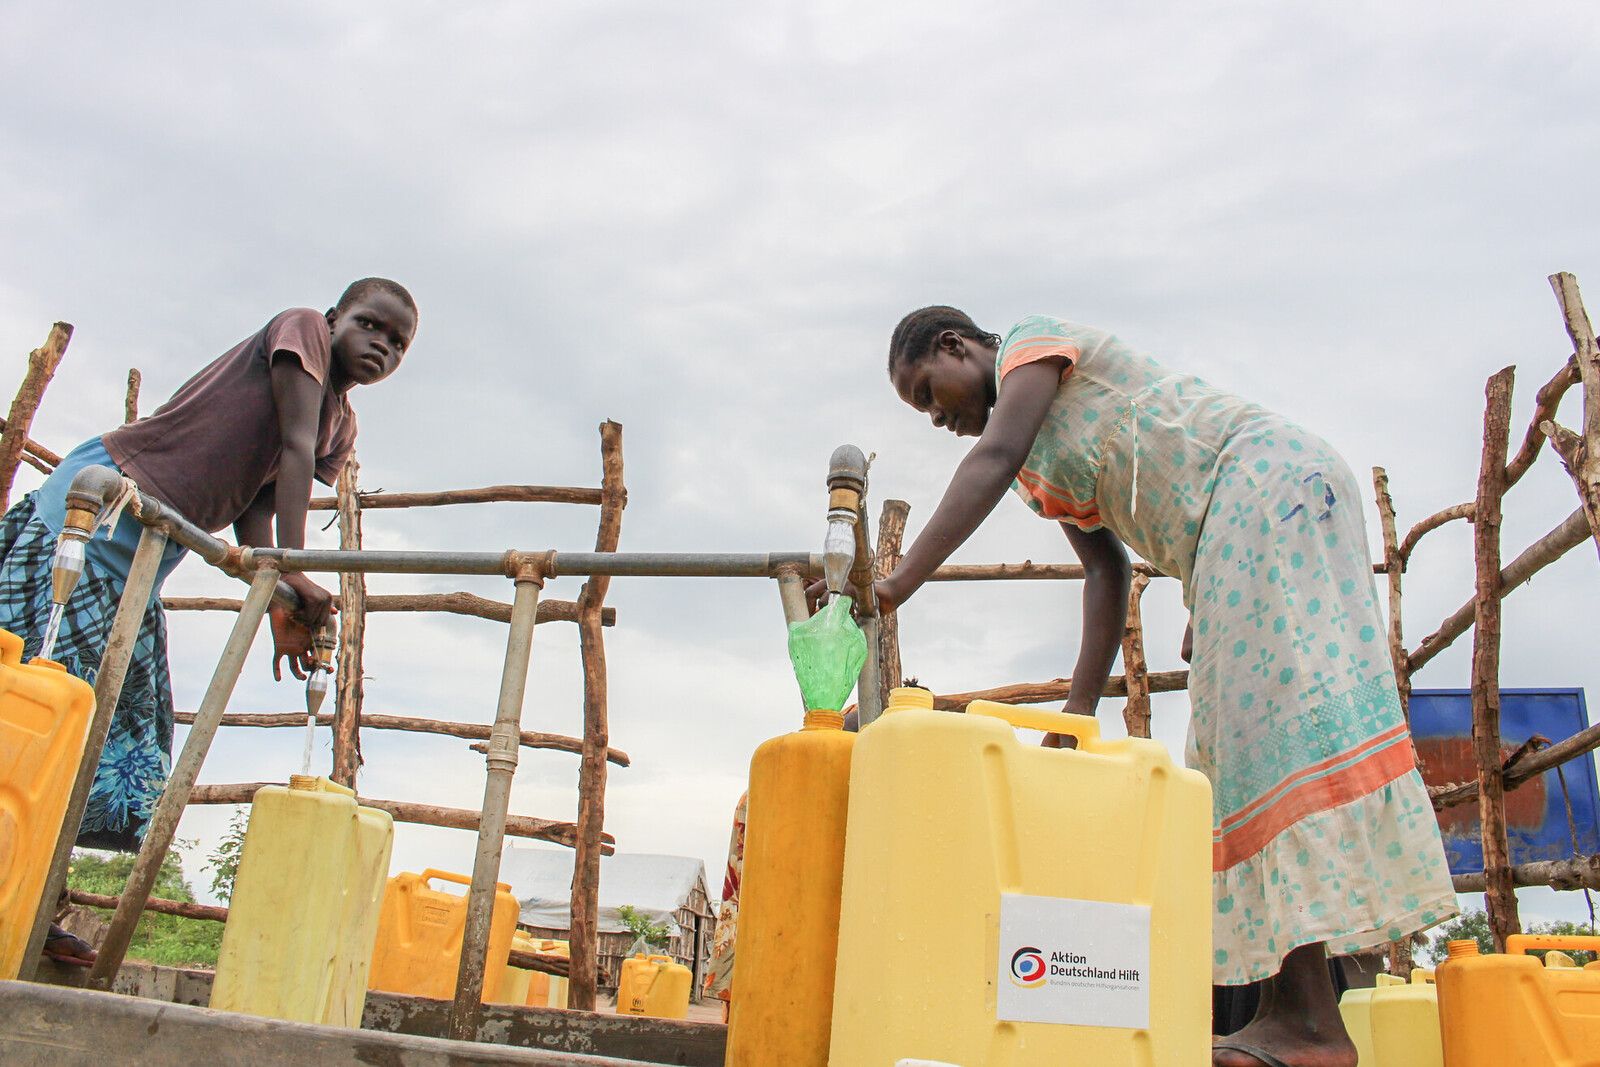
point(504, 743)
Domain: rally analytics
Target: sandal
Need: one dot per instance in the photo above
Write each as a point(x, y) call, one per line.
point(1267, 1059)
point(68, 948)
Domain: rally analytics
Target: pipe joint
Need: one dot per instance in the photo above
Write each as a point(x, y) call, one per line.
point(532, 567)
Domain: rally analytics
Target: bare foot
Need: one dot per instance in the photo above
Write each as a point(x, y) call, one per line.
point(1297, 1023)
point(1293, 1047)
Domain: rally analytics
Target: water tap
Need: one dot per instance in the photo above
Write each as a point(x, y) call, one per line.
point(847, 480)
point(322, 666)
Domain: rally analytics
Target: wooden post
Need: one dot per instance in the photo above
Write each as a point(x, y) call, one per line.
point(1580, 452)
point(891, 531)
point(584, 933)
point(352, 631)
point(42, 364)
point(1136, 712)
point(1394, 565)
point(130, 402)
point(1499, 893)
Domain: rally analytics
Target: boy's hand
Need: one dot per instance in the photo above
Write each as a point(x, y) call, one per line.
point(290, 638)
point(316, 603)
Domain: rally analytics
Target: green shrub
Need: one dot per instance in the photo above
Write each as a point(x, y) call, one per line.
point(169, 940)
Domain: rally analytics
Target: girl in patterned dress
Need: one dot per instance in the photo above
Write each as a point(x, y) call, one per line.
point(1323, 835)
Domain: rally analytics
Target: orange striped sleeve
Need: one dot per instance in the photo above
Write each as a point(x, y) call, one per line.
point(1035, 349)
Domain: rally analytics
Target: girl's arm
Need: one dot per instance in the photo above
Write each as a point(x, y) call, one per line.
point(1107, 576)
point(982, 478)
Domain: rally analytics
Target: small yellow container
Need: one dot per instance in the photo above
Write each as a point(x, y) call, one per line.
point(552, 992)
point(654, 985)
point(304, 910)
point(515, 985)
point(44, 717)
point(1510, 1011)
point(418, 950)
point(1006, 903)
point(782, 999)
point(1395, 1024)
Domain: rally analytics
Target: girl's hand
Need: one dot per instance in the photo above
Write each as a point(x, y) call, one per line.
point(888, 597)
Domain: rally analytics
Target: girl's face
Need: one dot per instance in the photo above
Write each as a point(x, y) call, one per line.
point(954, 385)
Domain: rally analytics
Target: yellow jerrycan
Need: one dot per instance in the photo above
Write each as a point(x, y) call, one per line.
point(304, 909)
point(418, 951)
point(1508, 1010)
point(44, 717)
point(548, 990)
point(1010, 904)
point(782, 994)
point(657, 986)
point(514, 986)
point(1395, 1023)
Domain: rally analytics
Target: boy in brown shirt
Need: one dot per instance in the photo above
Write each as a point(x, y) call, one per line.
point(238, 444)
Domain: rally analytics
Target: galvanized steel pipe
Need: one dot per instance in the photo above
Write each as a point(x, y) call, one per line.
point(501, 757)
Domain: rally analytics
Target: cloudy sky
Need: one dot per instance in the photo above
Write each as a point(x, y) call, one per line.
point(703, 221)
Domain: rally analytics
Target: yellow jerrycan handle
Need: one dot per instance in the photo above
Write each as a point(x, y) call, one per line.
point(1521, 944)
point(458, 879)
point(1086, 728)
point(10, 649)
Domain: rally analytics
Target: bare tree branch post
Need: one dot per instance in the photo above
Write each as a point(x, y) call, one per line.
point(584, 935)
point(891, 531)
point(1136, 713)
point(42, 364)
point(130, 402)
point(1499, 893)
point(348, 688)
point(1580, 452)
point(1395, 565)
point(1572, 532)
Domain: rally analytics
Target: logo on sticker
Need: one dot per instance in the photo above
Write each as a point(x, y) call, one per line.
point(1027, 967)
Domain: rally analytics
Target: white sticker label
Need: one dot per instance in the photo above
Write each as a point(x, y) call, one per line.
point(1079, 962)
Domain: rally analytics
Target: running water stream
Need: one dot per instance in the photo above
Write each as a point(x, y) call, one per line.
point(52, 630)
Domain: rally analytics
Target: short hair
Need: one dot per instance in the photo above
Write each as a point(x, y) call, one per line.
point(356, 290)
point(912, 341)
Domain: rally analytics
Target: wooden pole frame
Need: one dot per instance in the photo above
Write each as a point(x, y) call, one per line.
point(583, 933)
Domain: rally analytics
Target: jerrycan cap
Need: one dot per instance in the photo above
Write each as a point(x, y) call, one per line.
point(909, 698)
point(40, 661)
point(1457, 949)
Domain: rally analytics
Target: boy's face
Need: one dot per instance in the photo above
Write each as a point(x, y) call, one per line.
point(954, 385)
point(370, 336)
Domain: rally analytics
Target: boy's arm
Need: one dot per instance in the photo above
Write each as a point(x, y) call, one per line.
point(982, 478)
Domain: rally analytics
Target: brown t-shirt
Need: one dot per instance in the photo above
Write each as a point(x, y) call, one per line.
point(210, 449)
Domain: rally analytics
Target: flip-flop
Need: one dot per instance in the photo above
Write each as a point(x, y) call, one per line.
point(68, 948)
point(1267, 1059)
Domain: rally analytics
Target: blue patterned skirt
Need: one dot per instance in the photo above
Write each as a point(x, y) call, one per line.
point(138, 751)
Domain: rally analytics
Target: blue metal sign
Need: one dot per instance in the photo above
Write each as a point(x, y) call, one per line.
point(1538, 822)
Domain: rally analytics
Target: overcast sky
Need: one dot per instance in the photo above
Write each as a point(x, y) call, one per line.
point(704, 220)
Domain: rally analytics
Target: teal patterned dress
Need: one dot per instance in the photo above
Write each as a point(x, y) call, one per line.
point(1322, 829)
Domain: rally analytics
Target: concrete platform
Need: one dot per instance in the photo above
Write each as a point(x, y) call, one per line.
point(55, 1026)
point(650, 1041)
